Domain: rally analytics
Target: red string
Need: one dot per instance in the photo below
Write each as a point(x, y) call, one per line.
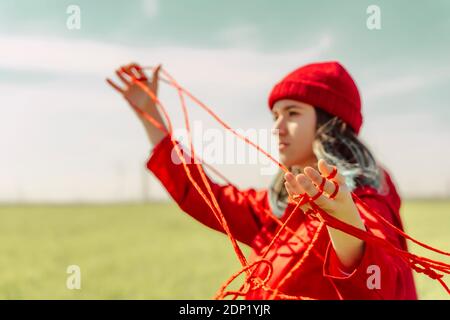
point(423, 265)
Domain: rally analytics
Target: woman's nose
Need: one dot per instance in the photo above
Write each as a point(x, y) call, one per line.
point(279, 128)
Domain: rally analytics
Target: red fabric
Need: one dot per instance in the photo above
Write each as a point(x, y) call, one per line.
point(321, 275)
point(326, 85)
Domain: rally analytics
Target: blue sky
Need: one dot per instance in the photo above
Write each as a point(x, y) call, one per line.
point(66, 136)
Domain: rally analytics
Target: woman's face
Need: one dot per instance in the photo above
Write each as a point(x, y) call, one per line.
point(296, 125)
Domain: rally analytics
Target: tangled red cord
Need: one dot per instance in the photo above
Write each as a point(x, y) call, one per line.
point(429, 267)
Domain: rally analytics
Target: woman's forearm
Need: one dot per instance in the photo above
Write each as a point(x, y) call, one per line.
point(348, 248)
point(154, 134)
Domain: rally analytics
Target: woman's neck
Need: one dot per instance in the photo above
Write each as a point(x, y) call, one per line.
point(299, 168)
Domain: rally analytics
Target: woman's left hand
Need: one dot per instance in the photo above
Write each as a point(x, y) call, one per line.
point(342, 203)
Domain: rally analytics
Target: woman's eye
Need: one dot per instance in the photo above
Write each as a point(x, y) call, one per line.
point(293, 113)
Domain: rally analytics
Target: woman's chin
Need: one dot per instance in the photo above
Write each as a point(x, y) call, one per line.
point(285, 160)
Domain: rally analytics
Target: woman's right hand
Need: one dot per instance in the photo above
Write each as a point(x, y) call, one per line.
point(137, 97)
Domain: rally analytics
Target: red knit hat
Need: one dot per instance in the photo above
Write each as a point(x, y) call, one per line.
point(326, 85)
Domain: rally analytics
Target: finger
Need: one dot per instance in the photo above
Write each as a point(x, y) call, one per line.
point(155, 79)
point(294, 200)
point(139, 72)
point(293, 184)
point(328, 186)
point(124, 77)
point(136, 74)
point(135, 71)
point(115, 86)
point(289, 190)
point(128, 70)
point(307, 186)
point(293, 197)
point(326, 169)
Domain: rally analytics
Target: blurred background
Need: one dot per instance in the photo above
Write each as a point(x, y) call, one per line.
point(74, 189)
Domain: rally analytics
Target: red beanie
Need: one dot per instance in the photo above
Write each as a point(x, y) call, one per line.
point(325, 85)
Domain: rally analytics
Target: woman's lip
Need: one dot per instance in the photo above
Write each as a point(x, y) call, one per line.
point(282, 146)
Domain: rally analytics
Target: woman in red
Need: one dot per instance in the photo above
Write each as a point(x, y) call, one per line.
point(317, 112)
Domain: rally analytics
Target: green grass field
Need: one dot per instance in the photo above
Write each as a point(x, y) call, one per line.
point(151, 251)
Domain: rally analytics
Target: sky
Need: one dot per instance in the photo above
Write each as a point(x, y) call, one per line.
point(66, 136)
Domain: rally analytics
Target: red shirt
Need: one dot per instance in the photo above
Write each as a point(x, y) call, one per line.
point(320, 276)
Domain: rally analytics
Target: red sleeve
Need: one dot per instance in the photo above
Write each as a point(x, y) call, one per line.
point(243, 218)
point(395, 279)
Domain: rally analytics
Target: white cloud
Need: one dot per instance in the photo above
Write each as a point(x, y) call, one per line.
point(404, 83)
point(395, 86)
point(89, 57)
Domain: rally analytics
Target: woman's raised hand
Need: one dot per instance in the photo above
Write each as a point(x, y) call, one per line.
point(131, 91)
point(134, 88)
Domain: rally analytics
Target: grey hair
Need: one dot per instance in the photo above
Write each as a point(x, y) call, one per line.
point(342, 148)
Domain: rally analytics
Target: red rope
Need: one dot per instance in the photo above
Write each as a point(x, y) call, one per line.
point(423, 265)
